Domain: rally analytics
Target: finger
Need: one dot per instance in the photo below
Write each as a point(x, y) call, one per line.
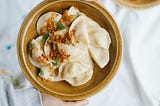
point(51, 98)
point(83, 102)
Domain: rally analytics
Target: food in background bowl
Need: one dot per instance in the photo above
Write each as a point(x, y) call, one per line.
point(138, 4)
point(67, 43)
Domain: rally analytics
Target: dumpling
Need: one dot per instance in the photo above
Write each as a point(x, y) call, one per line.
point(42, 21)
point(99, 37)
point(47, 74)
point(81, 34)
point(99, 55)
point(71, 69)
point(99, 43)
point(36, 57)
point(76, 54)
point(81, 78)
point(71, 12)
point(77, 80)
point(77, 64)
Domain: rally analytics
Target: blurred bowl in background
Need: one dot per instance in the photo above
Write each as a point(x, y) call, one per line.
point(138, 4)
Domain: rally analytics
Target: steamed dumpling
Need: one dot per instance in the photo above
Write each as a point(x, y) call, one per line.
point(42, 21)
point(77, 80)
point(99, 37)
point(76, 64)
point(99, 55)
point(72, 69)
point(76, 54)
point(81, 33)
point(71, 12)
point(81, 78)
point(99, 43)
point(79, 68)
point(37, 52)
point(47, 74)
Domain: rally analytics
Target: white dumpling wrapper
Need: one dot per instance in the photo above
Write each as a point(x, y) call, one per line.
point(76, 54)
point(42, 21)
point(73, 69)
point(77, 64)
point(99, 37)
point(81, 78)
point(47, 48)
point(99, 55)
point(47, 73)
point(36, 52)
point(99, 42)
point(81, 33)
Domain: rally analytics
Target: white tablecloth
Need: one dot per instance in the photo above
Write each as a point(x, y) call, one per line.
point(137, 82)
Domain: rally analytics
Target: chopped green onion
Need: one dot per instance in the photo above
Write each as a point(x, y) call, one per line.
point(60, 25)
point(57, 61)
point(45, 38)
point(41, 73)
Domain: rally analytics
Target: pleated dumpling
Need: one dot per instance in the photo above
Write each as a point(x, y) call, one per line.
point(81, 78)
point(51, 74)
point(99, 55)
point(79, 28)
point(35, 56)
point(99, 43)
point(76, 55)
point(42, 21)
point(78, 63)
point(99, 37)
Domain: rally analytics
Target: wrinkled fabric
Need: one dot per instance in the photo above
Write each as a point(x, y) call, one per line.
point(18, 97)
point(137, 81)
point(12, 14)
